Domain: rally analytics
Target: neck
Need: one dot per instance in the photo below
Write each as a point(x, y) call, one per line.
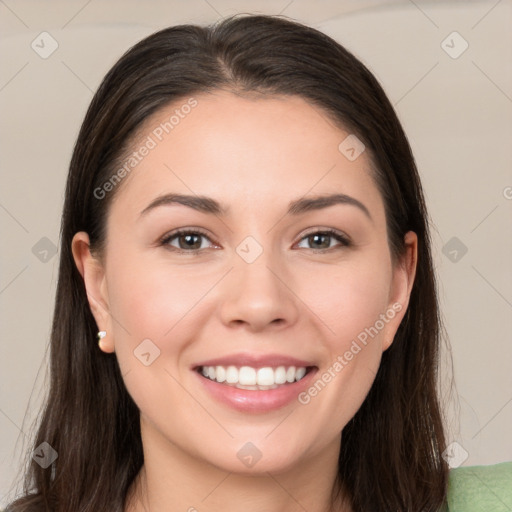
point(173, 476)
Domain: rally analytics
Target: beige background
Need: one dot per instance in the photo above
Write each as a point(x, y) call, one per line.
point(457, 113)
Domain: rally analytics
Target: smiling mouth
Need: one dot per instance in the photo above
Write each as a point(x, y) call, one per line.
point(255, 379)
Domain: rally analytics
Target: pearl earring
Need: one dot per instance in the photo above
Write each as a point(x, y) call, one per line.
point(100, 336)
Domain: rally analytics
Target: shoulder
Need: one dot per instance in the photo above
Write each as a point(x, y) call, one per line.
point(481, 488)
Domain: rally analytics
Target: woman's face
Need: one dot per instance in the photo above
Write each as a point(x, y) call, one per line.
point(282, 272)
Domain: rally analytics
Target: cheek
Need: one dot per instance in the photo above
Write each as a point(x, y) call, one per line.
point(152, 298)
point(153, 309)
point(349, 302)
point(348, 298)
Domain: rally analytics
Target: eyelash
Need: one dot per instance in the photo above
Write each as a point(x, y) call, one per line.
point(343, 239)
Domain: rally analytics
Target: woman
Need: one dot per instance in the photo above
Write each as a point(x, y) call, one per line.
point(245, 233)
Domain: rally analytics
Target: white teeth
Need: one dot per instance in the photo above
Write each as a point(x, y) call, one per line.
point(220, 372)
point(280, 375)
point(248, 377)
point(290, 374)
point(232, 375)
point(300, 373)
point(265, 376)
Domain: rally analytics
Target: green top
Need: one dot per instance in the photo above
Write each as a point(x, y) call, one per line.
point(480, 489)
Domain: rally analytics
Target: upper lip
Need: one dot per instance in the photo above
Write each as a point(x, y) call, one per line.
point(255, 361)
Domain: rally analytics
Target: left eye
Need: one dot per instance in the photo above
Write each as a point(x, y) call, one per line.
point(323, 239)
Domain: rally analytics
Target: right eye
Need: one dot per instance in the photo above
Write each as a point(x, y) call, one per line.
point(186, 240)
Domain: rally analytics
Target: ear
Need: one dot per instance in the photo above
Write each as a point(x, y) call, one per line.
point(93, 274)
point(404, 273)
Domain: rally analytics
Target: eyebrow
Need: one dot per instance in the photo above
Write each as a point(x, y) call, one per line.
point(208, 205)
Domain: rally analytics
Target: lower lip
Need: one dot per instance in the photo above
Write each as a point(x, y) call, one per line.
point(247, 400)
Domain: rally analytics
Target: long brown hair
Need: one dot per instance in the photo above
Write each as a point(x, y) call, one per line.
point(390, 456)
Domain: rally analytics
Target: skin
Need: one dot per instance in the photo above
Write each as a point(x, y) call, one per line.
point(253, 155)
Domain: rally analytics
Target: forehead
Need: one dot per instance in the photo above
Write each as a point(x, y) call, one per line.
point(260, 151)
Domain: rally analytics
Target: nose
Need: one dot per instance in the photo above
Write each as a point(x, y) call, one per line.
point(259, 296)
